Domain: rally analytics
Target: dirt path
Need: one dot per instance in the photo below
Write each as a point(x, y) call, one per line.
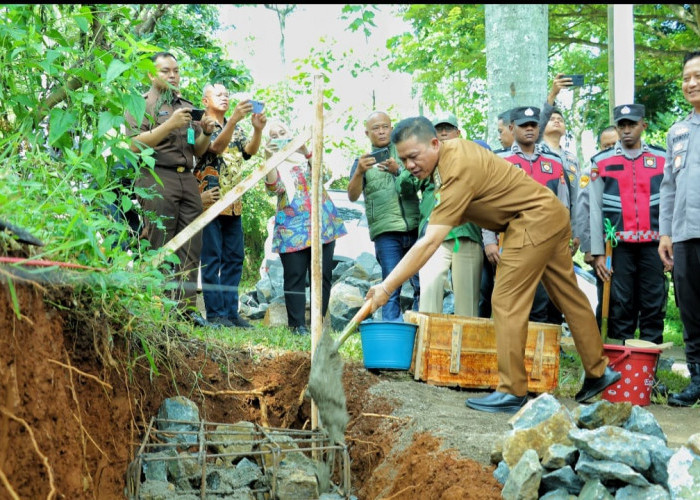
point(442, 412)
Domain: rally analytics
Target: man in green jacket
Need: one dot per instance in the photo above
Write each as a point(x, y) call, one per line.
point(391, 205)
point(461, 251)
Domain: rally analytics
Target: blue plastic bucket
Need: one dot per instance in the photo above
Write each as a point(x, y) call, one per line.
point(387, 344)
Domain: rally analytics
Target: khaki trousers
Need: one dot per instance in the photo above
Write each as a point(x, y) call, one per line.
point(517, 275)
point(179, 203)
point(466, 266)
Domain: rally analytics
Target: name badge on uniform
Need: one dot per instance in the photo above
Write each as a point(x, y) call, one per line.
point(190, 135)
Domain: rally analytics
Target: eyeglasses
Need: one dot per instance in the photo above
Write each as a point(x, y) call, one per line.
point(445, 128)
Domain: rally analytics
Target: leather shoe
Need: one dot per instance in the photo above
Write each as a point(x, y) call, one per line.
point(300, 330)
point(593, 386)
point(198, 320)
point(497, 402)
point(221, 320)
point(240, 322)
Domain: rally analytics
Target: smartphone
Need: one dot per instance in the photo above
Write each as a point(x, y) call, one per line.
point(381, 154)
point(197, 114)
point(258, 106)
point(576, 79)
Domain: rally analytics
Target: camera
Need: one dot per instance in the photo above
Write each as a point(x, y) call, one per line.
point(381, 154)
point(197, 114)
point(258, 106)
point(577, 80)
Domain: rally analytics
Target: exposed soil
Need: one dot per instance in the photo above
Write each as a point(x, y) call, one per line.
point(70, 422)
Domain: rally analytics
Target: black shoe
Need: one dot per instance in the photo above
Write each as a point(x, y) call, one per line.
point(593, 386)
point(221, 320)
point(690, 396)
point(497, 402)
point(239, 322)
point(300, 330)
point(198, 320)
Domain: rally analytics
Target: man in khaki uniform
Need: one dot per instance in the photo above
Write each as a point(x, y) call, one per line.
point(168, 128)
point(474, 185)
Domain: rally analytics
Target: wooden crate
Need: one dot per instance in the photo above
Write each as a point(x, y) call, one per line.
point(460, 351)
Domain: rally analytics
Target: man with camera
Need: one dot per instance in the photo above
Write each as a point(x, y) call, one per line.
point(391, 205)
point(168, 128)
point(218, 171)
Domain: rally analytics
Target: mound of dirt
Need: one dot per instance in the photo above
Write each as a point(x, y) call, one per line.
point(70, 422)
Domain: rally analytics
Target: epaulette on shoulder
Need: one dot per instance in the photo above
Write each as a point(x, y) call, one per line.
point(605, 153)
point(657, 149)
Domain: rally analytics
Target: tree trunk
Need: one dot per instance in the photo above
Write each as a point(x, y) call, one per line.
point(516, 59)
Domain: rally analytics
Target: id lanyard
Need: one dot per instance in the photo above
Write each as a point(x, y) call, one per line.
point(190, 134)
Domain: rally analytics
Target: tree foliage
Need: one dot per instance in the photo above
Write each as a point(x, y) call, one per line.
point(445, 54)
point(69, 74)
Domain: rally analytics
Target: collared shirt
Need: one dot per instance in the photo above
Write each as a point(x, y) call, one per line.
point(680, 188)
point(223, 170)
point(476, 185)
point(174, 150)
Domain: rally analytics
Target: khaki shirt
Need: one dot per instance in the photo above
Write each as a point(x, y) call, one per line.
point(173, 151)
point(475, 185)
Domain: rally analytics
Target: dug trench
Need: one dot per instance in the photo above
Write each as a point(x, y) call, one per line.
point(72, 418)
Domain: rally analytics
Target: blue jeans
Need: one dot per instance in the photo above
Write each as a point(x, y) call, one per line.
point(222, 265)
point(390, 248)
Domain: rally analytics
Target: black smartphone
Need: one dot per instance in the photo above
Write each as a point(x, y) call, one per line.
point(381, 154)
point(197, 114)
point(577, 80)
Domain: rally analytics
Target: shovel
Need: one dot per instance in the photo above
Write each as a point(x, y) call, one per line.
point(325, 378)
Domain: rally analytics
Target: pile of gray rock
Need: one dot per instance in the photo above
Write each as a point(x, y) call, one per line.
point(350, 282)
point(184, 458)
point(599, 451)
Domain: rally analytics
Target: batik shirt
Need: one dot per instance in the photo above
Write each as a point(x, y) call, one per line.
point(292, 230)
point(223, 170)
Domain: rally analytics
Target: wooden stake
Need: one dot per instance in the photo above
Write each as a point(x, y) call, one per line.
point(606, 293)
point(316, 245)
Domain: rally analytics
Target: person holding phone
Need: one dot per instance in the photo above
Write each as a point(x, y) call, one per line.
point(168, 128)
point(291, 236)
point(391, 206)
point(218, 171)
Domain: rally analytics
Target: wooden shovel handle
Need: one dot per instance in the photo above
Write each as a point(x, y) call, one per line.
point(364, 311)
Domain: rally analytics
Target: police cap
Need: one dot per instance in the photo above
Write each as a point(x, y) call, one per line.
point(525, 114)
point(631, 112)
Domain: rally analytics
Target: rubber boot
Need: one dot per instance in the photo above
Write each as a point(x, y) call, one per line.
point(691, 394)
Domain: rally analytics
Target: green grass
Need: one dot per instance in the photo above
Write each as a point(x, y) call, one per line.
point(276, 338)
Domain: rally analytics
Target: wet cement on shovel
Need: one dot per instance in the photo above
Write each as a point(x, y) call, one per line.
point(326, 378)
point(326, 388)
